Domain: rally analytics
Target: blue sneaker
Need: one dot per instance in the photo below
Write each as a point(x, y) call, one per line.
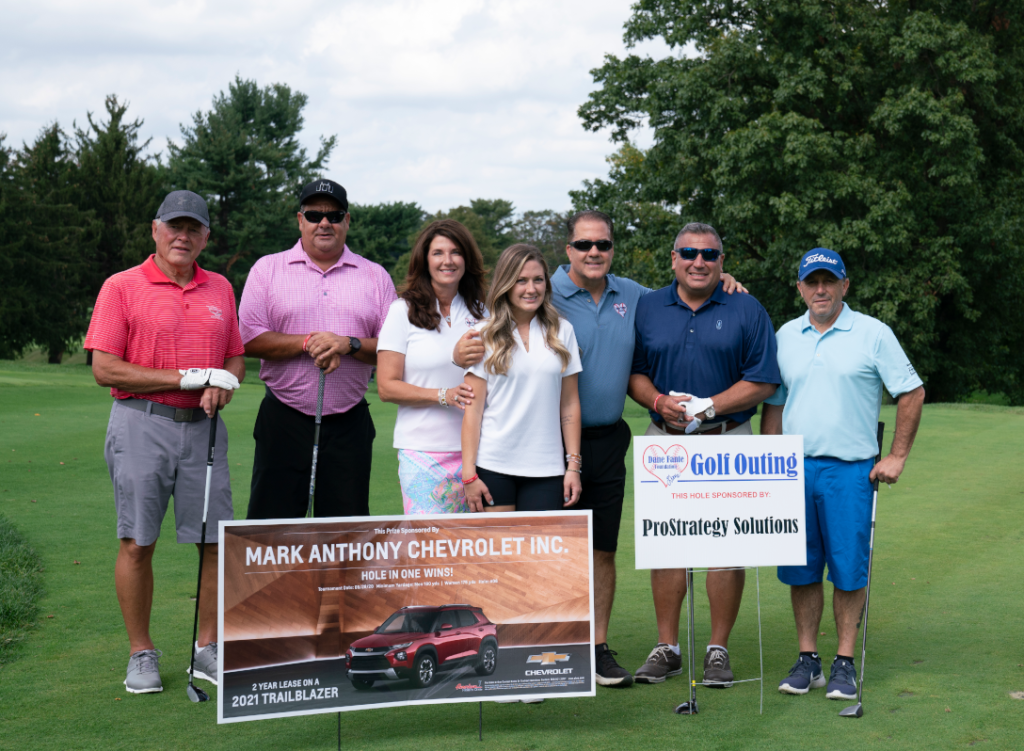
point(803, 676)
point(842, 680)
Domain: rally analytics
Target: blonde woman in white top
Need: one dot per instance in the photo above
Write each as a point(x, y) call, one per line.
point(441, 298)
point(526, 399)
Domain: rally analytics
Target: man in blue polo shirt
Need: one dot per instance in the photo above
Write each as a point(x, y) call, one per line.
point(692, 338)
point(834, 362)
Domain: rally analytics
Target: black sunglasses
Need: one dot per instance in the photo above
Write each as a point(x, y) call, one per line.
point(690, 254)
point(602, 245)
point(315, 217)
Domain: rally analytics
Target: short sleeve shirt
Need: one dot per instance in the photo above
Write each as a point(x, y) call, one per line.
point(144, 318)
point(521, 432)
point(703, 352)
point(289, 294)
point(604, 332)
point(428, 364)
point(832, 382)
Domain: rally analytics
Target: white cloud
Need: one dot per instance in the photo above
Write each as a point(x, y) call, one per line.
point(433, 102)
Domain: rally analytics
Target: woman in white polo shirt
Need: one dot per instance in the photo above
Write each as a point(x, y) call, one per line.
point(441, 298)
point(526, 398)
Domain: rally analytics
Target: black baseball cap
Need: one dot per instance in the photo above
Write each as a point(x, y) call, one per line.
point(180, 203)
point(325, 189)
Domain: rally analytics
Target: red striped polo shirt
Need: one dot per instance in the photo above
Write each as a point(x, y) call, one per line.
point(146, 319)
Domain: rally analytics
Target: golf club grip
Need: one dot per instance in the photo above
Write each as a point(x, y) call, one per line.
point(320, 397)
point(878, 456)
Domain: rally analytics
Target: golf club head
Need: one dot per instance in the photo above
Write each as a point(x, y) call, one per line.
point(195, 694)
point(687, 707)
point(854, 710)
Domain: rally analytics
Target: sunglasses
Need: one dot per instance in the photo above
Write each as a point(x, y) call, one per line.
point(315, 217)
point(602, 245)
point(690, 254)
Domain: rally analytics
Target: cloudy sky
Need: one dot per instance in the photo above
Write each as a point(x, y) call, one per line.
point(432, 102)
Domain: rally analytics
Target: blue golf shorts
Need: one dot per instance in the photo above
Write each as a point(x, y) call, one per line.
point(837, 507)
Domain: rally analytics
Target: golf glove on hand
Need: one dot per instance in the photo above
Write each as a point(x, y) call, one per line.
point(694, 407)
point(194, 379)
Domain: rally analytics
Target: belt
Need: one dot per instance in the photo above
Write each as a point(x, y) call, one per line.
point(173, 413)
point(717, 428)
point(599, 431)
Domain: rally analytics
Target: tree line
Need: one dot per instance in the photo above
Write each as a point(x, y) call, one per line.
point(891, 132)
point(76, 206)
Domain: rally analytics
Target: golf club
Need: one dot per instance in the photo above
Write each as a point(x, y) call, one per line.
point(316, 440)
point(857, 710)
point(197, 694)
point(690, 707)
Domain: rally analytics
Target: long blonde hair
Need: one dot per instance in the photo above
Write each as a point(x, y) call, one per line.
point(498, 331)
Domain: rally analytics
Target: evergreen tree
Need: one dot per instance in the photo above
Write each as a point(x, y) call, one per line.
point(381, 232)
point(51, 263)
point(120, 185)
point(244, 158)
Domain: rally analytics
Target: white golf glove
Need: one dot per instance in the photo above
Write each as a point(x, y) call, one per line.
point(694, 407)
point(194, 379)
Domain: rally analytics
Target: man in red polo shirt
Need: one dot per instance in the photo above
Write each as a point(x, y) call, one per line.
point(164, 337)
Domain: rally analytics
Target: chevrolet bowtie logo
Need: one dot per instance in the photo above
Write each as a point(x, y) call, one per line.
point(548, 658)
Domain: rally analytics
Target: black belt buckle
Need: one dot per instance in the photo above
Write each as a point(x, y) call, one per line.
point(183, 415)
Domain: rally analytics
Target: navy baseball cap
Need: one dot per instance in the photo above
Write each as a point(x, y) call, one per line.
point(325, 189)
point(184, 203)
point(822, 258)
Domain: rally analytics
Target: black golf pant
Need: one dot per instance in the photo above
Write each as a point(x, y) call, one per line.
point(284, 460)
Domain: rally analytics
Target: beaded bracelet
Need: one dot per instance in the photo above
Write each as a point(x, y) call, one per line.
point(577, 471)
point(578, 458)
point(442, 397)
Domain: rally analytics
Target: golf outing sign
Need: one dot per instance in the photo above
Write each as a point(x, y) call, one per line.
point(327, 615)
point(707, 501)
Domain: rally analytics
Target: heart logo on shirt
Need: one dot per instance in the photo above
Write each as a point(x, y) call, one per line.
point(620, 308)
point(666, 464)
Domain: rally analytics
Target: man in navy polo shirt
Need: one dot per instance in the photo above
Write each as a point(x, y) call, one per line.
point(834, 362)
point(692, 338)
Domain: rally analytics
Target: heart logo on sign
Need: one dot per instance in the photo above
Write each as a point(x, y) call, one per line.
point(666, 464)
point(620, 308)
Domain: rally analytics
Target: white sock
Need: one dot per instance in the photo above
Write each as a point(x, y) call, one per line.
point(675, 649)
point(717, 646)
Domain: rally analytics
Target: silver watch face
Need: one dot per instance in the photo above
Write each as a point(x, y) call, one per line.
point(710, 412)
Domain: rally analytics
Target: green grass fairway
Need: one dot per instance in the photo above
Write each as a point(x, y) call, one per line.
point(945, 652)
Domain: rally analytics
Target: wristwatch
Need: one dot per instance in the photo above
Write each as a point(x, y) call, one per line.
point(709, 413)
point(354, 345)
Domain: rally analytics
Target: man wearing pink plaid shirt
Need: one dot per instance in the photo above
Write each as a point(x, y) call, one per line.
point(315, 306)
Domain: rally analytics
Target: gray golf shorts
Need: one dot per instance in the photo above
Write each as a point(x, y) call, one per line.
point(152, 458)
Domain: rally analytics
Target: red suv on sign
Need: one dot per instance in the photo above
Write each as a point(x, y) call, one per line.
point(418, 641)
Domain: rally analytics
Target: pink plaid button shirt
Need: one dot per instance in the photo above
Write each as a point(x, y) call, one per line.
point(289, 294)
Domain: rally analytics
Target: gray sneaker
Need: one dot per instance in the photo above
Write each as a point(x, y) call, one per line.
point(206, 663)
point(661, 663)
point(717, 670)
point(144, 672)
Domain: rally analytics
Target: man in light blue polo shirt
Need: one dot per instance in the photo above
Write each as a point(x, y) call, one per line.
point(833, 363)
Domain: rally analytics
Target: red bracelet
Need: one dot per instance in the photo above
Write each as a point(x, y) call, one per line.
point(656, 401)
point(304, 341)
point(474, 478)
